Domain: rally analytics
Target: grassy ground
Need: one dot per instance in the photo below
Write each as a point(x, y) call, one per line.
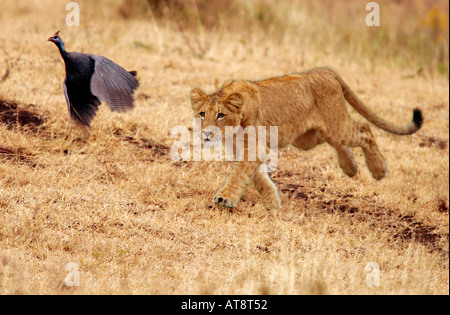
point(112, 201)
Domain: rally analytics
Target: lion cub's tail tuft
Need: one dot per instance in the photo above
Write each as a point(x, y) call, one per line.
point(417, 118)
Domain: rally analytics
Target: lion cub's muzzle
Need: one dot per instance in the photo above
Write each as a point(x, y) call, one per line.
point(211, 133)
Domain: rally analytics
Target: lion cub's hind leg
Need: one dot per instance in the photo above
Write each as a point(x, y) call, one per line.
point(267, 189)
point(375, 161)
point(357, 135)
point(312, 138)
point(347, 160)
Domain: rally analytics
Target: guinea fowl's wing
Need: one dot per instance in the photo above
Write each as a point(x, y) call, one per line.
point(81, 110)
point(112, 84)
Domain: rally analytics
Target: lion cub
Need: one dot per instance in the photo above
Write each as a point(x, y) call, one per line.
point(309, 109)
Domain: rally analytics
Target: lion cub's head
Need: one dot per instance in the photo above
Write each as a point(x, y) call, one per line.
point(217, 111)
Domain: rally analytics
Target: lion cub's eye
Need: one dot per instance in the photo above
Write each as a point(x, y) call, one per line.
point(220, 116)
point(202, 114)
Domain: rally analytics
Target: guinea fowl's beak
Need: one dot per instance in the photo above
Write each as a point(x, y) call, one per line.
point(50, 39)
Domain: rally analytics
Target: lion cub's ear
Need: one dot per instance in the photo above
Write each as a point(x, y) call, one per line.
point(234, 102)
point(197, 98)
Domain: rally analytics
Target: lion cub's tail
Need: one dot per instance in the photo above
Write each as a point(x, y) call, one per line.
point(361, 108)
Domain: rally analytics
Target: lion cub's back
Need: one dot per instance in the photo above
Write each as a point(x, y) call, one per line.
point(287, 92)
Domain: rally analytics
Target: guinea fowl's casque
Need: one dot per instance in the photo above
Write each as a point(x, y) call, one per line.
point(92, 79)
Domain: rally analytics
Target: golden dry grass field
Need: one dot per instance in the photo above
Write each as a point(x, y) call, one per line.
point(112, 201)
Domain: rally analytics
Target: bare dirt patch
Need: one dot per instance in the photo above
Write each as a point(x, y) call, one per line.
point(17, 155)
point(433, 142)
point(13, 114)
point(402, 228)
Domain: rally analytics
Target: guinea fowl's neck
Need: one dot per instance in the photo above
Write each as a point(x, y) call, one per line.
point(63, 52)
point(65, 55)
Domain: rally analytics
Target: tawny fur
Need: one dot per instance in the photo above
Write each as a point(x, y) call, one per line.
point(309, 109)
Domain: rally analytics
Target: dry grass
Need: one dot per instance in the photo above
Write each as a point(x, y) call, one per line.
point(136, 222)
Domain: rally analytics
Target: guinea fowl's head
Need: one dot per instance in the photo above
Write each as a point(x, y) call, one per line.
point(57, 40)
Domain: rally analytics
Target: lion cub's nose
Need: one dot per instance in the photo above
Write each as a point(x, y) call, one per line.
point(207, 133)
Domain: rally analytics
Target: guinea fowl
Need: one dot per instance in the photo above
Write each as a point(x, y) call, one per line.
point(92, 79)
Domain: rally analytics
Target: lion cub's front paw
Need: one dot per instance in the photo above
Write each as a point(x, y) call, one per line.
point(223, 201)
